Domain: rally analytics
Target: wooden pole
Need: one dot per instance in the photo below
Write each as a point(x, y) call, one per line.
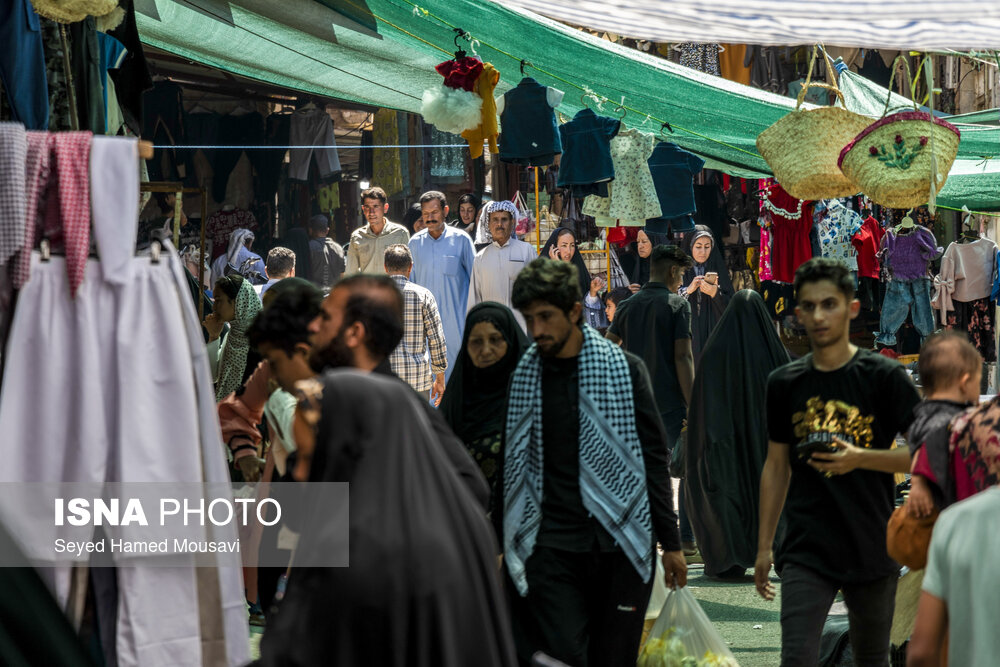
point(201, 257)
point(538, 221)
point(178, 210)
point(607, 257)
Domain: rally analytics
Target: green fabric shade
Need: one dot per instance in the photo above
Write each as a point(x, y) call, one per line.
point(383, 52)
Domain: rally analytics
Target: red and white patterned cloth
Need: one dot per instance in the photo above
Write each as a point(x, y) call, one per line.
point(70, 221)
point(36, 178)
point(57, 175)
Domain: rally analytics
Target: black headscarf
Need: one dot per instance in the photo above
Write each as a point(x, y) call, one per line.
point(422, 586)
point(706, 311)
point(581, 266)
point(727, 433)
point(475, 400)
point(636, 267)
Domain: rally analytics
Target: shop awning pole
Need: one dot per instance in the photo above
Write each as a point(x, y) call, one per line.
point(538, 222)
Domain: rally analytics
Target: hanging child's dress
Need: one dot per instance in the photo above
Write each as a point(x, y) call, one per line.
point(633, 196)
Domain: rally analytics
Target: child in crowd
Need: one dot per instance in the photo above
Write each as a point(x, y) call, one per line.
point(950, 371)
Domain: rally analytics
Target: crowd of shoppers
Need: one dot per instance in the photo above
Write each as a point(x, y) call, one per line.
point(518, 457)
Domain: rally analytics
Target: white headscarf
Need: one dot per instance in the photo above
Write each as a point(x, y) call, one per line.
point(483, 236)
point(238, 239)
point(483, 228)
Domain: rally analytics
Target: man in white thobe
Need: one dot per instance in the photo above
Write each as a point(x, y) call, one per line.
point(497, 265)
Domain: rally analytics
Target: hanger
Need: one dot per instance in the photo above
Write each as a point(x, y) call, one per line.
point(624, 112)
point(525, 63)
point(907, 225)
point(240, 110)
point(460, 34)
point(968, 233)
point(45, 249)
point(308, 106)
point(199, 108)
point(665, 126)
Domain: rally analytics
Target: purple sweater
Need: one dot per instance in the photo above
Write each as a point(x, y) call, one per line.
point(909, 254)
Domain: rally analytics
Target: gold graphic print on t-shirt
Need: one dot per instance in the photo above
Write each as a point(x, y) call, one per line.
point(823, 421)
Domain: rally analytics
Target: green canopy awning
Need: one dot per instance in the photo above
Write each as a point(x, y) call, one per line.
point(383, 52)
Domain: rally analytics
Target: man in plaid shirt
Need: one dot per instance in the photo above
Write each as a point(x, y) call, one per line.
point(422, 330)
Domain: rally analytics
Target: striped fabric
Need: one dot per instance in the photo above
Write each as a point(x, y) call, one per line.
point(887, 24)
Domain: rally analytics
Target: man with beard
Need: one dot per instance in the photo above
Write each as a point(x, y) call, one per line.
point(586, 491)
point(421, 587)
point(359, 325)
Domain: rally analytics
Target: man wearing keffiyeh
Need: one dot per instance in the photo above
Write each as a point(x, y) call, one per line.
point(497, 265)
point(239, 258)
point(586, 491)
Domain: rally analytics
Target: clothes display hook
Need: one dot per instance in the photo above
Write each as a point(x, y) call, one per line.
point(459, 51)
point(525, 63)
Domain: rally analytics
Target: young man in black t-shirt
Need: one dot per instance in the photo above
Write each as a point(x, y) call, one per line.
point(832, 417)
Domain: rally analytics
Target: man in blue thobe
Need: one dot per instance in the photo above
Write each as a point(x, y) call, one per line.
point(442, 262)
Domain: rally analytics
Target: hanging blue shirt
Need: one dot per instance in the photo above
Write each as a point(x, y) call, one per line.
point(112, 53)
point(444, 266)
point(22, 64)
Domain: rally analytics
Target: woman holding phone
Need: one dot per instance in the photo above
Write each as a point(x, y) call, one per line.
point(706, 284)
point(562, 246)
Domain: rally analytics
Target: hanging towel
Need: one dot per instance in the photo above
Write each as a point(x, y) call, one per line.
point(114, 172)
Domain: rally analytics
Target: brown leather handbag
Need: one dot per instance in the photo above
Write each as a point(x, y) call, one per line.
point(908, 538)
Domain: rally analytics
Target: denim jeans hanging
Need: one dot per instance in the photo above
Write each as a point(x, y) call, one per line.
point(903, 297)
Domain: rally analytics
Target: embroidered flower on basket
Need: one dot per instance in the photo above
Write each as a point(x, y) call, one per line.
point(898, 155)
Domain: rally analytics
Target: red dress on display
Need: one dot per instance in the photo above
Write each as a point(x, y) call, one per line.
point(791, 221)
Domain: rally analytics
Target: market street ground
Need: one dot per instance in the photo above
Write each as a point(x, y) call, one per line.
point(734, 608)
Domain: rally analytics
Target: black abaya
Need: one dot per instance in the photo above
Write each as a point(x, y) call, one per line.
point(422, 589)
point(706, 311)
point(727, 433)
point(475, 400)
point(635, 267)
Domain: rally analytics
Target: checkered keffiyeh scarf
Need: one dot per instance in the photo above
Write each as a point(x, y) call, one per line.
point(13, 154)
point(612, 470)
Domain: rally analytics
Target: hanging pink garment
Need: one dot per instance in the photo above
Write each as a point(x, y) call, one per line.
point(36, 179)
point(69, 223)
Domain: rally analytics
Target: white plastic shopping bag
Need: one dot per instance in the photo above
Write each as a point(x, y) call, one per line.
point(684, 637)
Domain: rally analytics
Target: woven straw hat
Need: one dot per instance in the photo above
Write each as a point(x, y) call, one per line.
point(802, 148)
point(71, 11)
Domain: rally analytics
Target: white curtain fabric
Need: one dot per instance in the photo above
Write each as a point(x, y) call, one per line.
point(887, 24)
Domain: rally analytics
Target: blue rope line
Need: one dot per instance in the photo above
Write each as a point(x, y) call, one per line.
point(339, 148)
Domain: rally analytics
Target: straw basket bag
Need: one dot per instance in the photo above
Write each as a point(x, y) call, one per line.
point(902, 160)
point(802, 148)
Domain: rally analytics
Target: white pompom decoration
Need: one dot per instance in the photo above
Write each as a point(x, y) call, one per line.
point(452, 109)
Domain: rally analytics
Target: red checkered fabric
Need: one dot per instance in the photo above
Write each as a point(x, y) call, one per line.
point(69, 222)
